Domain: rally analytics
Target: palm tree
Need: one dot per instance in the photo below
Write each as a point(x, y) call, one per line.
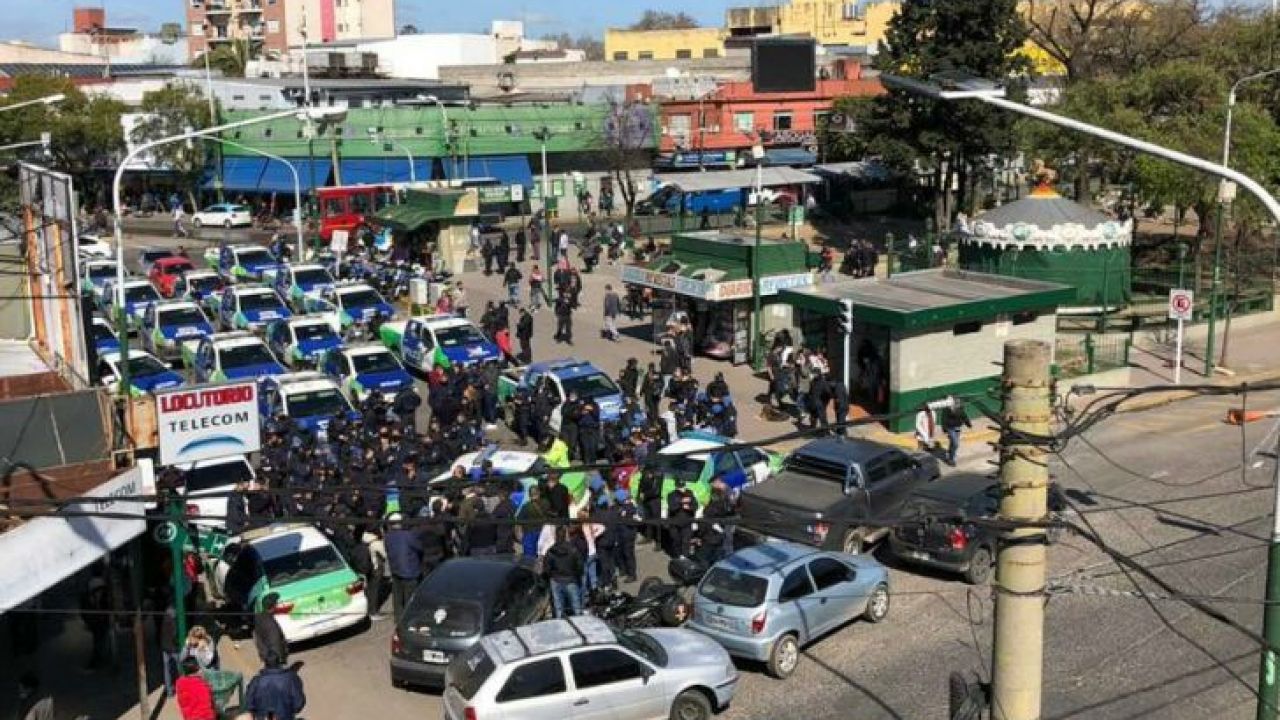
point(230, 59)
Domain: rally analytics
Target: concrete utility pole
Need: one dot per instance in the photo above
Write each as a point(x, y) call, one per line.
point(1018, 654)
point(1268, 683)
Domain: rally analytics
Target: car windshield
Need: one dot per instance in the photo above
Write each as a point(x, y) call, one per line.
point(816, 467)
point(590, 386)
point(460, 335)
point(676, 467)
point(314, 276)
point(259, 301)
point(209, 477)
point(325, 402)
point(102, 332)
point(245, 355)
point(641, 644)
point(204, 284)
point(140, 293)
point(182, 316)
point(145, 366)
point(731, 587)
point(302, 565)
point(374, 363)
point(360, 298)
point(468, 672)
point(443, 617)
point(150, 256)
point(254, 257)
point(313, 331)
point(98, 272)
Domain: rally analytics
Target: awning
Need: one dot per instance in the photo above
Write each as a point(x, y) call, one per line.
point(709, 280)
point(238, 173)
point(506, 169)
point(277, 178)
point(45, 551)
point(423, 206)
point(371, 171)
point(732, 179)
point(789, 156)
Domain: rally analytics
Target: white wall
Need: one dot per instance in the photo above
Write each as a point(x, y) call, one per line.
point(140, 49)
point(422, 56)
point(940, 357)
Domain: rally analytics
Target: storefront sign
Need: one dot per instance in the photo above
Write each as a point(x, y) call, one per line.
point(712, 292)
point(208, 422)
point(772, 284)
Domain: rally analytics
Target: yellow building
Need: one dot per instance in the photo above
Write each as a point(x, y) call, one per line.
point(683, 44)
point(832, 22)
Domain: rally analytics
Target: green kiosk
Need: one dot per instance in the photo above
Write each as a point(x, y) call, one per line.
point(921, 336)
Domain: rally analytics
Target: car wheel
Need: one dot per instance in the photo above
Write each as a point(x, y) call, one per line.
point(981, 564)
point(877, 604)
point(784, 657)
point(852, 544)
point(691, 705)
point(195, 223)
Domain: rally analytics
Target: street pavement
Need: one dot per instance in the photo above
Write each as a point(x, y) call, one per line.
point(1173, 487)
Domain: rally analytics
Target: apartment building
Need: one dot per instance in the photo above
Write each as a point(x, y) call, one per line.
point(271, 27)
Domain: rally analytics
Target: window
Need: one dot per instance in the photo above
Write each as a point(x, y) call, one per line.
point(603, 667)
point(782, 121)
point(820, 118)
point(900, 463)
point(726, 463)
point(620, 55)
point(644, 55)
point(237, 97)
point(533, 680)
point(967, 328)
point(795, 586)
point(273, 26)
point(751, 456)
point(744, 122)
point(679, 126)
point(710, 53)
point(827, 572)
point(267, 98)
point(684, 54)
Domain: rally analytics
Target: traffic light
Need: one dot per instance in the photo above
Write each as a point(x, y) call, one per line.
point(845, 320)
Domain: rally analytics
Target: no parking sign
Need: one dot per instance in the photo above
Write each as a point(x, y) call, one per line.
point(1181, 304)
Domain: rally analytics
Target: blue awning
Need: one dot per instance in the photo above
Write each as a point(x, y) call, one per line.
point(369, 171)
point(238, 173)
point(506, 169)
point(789, 156)
point(277, 178)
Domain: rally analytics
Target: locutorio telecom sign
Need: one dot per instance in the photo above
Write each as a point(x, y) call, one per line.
point(210, 421)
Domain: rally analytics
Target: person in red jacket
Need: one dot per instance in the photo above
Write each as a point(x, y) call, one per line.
point(195, 697)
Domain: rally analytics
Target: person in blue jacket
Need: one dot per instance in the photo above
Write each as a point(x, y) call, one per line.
point(275, 693)
point(404, 559)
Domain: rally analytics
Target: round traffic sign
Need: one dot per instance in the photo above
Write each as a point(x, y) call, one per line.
point(1181, 303)
point(164, 533)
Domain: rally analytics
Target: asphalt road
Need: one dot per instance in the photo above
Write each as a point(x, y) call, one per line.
point(1165, 486)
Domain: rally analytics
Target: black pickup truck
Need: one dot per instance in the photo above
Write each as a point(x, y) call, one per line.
point(835, 493)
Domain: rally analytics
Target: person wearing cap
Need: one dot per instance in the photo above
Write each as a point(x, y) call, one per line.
point(404, 558)
point(682, 509)
point(624, 550)
point(268, 638)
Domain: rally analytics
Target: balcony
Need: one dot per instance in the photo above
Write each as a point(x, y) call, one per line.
point(217, 7)
point(250, 6)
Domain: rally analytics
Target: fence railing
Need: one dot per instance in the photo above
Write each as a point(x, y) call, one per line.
point(1077, 355)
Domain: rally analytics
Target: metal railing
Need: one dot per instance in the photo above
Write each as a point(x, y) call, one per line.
point(1078, 355)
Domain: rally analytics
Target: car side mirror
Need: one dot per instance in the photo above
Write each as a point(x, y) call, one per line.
point(646, 673)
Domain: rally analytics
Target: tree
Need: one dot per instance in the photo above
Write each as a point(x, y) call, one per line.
point(85, 131)
point(173, 110)
point(661, 20)
point(592, 46)
point(627, 139)
point(1112, 38)
point(231, 59)
point(925, 38)
point(409, 29)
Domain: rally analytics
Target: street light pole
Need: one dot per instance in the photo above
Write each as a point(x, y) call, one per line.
point(542, 135)
point(448, 144)
point(757, 329)
point(375, 136)
point(297, 185)
point(46, 100)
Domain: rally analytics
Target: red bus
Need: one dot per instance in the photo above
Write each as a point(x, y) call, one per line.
point(348, 207)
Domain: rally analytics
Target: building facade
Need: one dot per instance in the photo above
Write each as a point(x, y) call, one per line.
point(271, 27)
point(681, 44)
point(90, 35)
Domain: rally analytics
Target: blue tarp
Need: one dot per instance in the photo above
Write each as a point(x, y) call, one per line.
point(357, 171)
point(506, 169)
point(238, 173)
point(277, 178)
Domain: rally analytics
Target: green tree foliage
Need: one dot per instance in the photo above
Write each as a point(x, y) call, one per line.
point(231, 60)
point(977, 37)
point(170, 111)
point(85, 131)
point(660, 20)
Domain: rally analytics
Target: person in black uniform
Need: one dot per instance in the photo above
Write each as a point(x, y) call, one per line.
point(570, 413)
point(522, 416)
point(564, 318)
point(589, 432)
point(625, 549)
point(650, 498)
point(682, 508)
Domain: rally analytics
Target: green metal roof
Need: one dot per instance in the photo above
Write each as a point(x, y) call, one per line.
point(420, 208)
point(928, 298)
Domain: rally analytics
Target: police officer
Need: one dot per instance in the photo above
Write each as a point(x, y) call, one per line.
point(522, 416)
point(650, 496)
point(589, 431)
point(625, 549)
point(405, 407)
point(570, 412)
point(564, 318)
point(682, 508)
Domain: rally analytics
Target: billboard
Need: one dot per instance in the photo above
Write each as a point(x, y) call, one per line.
point(209, 421)
point(784, 65)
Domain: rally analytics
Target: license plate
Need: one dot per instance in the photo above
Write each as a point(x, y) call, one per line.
point(719, 621)
point(434, 656)
point(917, 555)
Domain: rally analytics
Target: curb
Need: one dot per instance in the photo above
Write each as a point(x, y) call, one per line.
point(1173, 394)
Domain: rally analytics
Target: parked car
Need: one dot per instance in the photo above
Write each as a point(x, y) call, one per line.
point(240, 262)
point(834, 493)
point(697, 458)
point(936, 528)
point(233, 356)
point(318, 592)
point(103, 336)
point(138, 295)
point(362, 369)
point(446, 340)
point(294, 282)
point(199, 285)
point(147, 257)
point(95, 275)
point(310, 399)
point(89, 245)
point(146, 372)
point(767, 601)
point(301, 341)
point(353, 304)
point(558, 378)
point(223, 215)
point(459, 602)
point(580, 667)
point(250, 307)
point(165, 272)
point(171, 330)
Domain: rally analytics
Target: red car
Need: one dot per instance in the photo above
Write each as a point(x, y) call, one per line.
point(166, 271)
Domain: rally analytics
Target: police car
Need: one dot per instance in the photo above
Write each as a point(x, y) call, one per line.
point(353, 303)
point(233, 356)
point(299, 341)
point(171, 330)
point(196, 285)
point(241, 262)
point(250, 307)
point(364, 369)
point(512, 463)
point(103, 336)
point(95, 275)
point(445, 340)
point(146, 372)
point(698, 458)
point(310, 399)
point(138, 295)
point(294, 282)
point(558, 379)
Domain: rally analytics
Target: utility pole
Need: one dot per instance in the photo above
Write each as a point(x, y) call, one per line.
point(1018, 654)
point(1268, 683)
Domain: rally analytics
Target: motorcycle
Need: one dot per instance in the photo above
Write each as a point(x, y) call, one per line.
point(656, 603)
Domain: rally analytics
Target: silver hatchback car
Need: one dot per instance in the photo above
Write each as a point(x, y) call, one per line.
point(579, 667)
point(767, 601)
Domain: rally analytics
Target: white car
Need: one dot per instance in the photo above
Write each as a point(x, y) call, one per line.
point(206, 484)
point(223, 215)
point(94, 247)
